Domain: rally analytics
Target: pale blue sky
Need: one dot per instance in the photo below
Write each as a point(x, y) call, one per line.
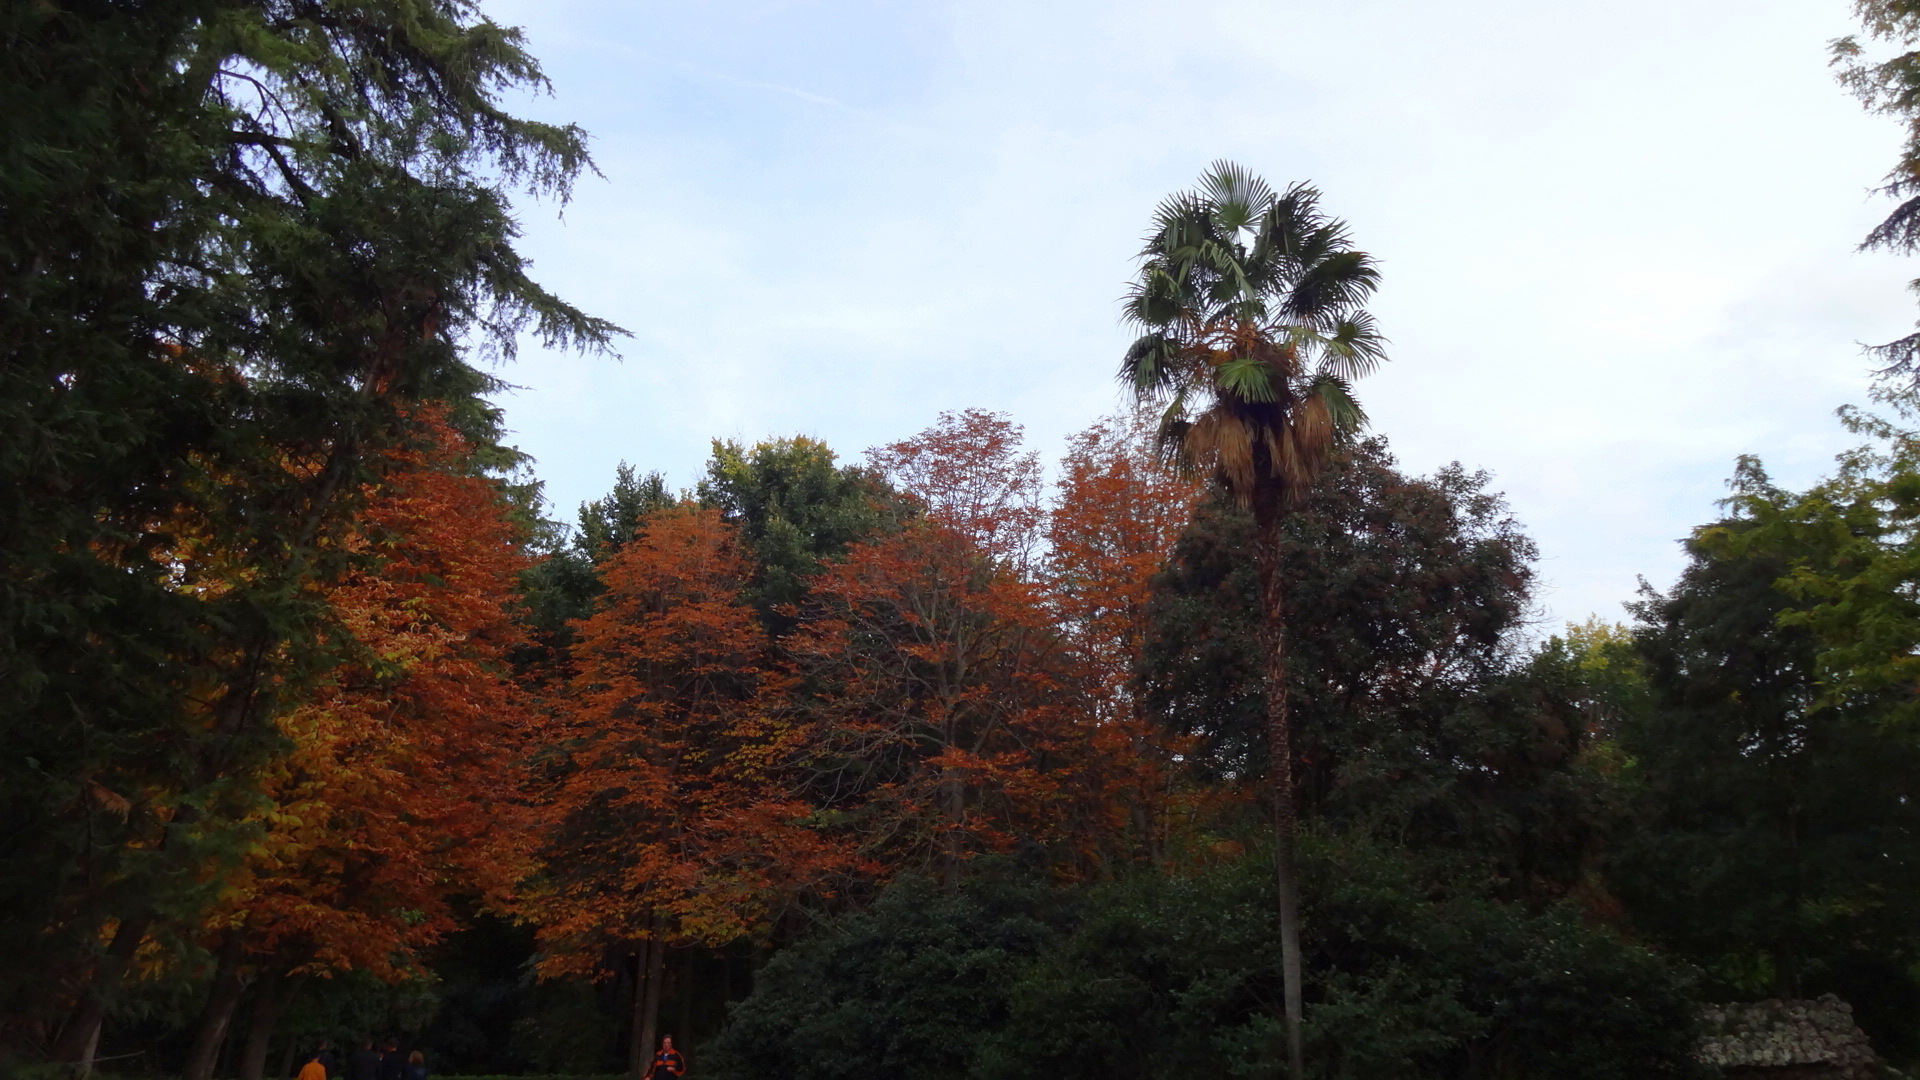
point(1616, 238)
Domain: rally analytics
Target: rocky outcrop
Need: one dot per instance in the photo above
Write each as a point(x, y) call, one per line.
point(1787, 1040)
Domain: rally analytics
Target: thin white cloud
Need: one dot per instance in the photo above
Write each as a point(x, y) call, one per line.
point(1617, 238)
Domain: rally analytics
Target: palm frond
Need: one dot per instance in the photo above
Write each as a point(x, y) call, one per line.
point(1247, 378)
point(1181, 221)
point(1354, 348)
point(1223, 443)
point(1294, 215)
point(1239, 198)
point(1331, 286)
point(1146, 370)
point(1336, 396)
point(1157, 298)
point(1291, 461)
point(1170, 436)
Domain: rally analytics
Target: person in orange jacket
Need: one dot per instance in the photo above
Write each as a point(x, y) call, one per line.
point(667, 1064)
point(313, 1069)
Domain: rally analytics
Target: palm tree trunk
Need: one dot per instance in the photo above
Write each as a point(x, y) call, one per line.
point(1273, 633)
point(217, 1017)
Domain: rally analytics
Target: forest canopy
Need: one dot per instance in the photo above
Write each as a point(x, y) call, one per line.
point(1225, 744)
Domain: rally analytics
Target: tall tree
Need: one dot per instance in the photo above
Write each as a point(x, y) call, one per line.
point(400, 794)
point(244, 237)
point(1114, 525)
point(1779, 845)
point(1418, 715)
point(946, 713)
point(673, 820)
point(1249, 304)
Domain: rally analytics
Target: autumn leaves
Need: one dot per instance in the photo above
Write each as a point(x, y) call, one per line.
point(945, 691)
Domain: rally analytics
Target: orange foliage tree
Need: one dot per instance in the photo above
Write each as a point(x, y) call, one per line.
point(970, 473)
point(1117, 517)
point(672, 819)
point(946, 716)
point(399, 793)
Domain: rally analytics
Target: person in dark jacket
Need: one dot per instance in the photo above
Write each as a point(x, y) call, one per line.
point(328, 1060)
point(393, 1064)
point(416, 1066)
point(364, 1063)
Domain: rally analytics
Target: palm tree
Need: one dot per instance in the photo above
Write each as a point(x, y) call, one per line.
point(1252, 332)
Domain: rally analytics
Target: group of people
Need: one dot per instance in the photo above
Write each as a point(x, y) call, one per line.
point(388, 1063)
point(366, 1063)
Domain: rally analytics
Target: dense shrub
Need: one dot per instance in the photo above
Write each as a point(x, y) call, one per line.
point(1179, 975)
point(1162, 975)
point(902, 991)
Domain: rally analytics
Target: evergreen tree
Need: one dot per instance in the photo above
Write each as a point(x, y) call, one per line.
point(245, 238)
point(1418, 715)
point(795, 508)
point(1778, 842)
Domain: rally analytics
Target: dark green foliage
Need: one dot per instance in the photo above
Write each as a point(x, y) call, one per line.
point(564, 1028)
point(793, 504)
point(795, 507)
point(354, 1005)
point(1413, 714)
point(607, 524)
point(245, 241)
point(560, 588)
point(1178, 975)
point(554, 592)
point(1778, 844)
point(532, 1076)
point(1403, 591)
point(1406, 978)
point(904, 991)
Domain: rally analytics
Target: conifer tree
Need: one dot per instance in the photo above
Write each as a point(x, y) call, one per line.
point(245, 238)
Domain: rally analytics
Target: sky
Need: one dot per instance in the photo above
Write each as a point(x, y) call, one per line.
point(1617, 240)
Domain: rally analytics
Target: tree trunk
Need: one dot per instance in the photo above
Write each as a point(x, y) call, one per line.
point(92, 1052)
point(637, 1021)
point(953, 798)
point(656, 976)
point(217, 1017)
point(683, 990)
point(274, 991)
point(649, 967)
point(1273, 627)
point(82, 1034)
point(286, 1060)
